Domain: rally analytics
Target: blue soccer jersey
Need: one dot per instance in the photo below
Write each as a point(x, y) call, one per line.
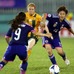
point(19, 37)
point(17, 43)
point(54, 24)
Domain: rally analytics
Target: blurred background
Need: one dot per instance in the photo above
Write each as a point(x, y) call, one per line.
point(10, 8)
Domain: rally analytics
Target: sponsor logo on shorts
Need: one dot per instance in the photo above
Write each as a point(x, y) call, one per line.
point(46, 41)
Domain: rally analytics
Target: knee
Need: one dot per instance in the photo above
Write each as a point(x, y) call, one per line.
point(49, 49)
point(60, 51)
point(31, 43)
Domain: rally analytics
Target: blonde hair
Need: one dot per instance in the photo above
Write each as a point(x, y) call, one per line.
point(31, 5)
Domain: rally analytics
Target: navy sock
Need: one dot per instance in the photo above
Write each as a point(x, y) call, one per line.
point(2, 63)
point(52, 58)
point(63, 56)
point(24, 66)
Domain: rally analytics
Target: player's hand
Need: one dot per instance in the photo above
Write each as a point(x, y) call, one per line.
point(49, 35)
point(52, 37)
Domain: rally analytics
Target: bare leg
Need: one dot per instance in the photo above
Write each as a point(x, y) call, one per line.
point(63, 55)
point(31, 43)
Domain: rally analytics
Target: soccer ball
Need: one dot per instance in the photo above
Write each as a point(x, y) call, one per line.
point(54, 69)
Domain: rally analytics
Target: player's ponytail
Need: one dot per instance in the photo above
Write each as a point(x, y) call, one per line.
point(18, 20)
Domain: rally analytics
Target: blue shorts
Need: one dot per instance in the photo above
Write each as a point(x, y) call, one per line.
point(53, 42)
point(14, 50)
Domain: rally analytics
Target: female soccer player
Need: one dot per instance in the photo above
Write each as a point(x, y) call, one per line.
point(17, 45)
point(33, 19)
point(55, 23)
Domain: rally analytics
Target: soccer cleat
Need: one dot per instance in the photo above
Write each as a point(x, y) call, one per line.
point(1, 66)
point(67, 62)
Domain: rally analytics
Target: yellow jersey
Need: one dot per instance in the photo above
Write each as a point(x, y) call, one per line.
point(33, 20)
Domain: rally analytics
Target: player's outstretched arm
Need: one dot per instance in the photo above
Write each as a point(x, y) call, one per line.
point(42, 34)
point(42, 24)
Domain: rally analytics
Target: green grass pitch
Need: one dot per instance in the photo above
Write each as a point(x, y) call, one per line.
point(38, 62)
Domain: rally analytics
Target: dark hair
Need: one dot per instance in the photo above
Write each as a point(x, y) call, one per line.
point(62, 8)
point(18, 20)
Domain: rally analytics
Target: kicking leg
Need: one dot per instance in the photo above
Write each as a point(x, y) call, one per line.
point(52, 58)
point(31, 43)
point(63, 55)
point(50, 54)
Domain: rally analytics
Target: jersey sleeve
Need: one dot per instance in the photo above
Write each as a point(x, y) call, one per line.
point(31, 29)
point(39, 18)
point(9, 33)
point(49, 16)
point(67, 24)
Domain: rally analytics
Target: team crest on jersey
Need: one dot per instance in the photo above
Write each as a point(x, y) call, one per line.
point(55, 24)
point(49, 15)
point(55, 30)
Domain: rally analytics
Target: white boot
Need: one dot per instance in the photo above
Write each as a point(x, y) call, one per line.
point(67, 61)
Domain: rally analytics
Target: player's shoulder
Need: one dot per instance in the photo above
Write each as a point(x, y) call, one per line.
point(10, 29)
point(52, 16)
point(55, 16)
point(28, 27)
point(25, 25)
point(26, 13)
point(48, 15)
point(38, 15)
point(66, 21)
